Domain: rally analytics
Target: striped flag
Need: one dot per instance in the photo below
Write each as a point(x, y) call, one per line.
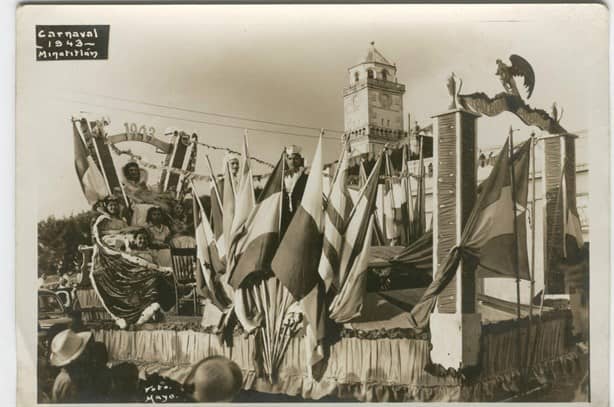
point(378, 230)
point(255, 248)
point(491, 232)
point(347, 305)
point(336, 216)
point(357, 226)
point(296, 262)
point(208, 257)
point(90, 177)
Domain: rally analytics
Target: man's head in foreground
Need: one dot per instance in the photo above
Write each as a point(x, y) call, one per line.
point(215, 378)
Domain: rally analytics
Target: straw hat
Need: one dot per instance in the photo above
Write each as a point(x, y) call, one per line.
point(68, 346)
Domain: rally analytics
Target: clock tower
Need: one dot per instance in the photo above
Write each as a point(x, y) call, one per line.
point(373, 104)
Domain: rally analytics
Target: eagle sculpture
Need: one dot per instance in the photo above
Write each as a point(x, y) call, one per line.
point(519, 67)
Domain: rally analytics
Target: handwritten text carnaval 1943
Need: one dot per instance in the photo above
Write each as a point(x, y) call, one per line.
point(71, 42)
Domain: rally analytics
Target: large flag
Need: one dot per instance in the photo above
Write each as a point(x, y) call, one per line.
point(389, 204)
point(217, 211)
point(347, 305)
point(208, 257)
point(489, 231)
point(336, 216)
point(255, 248)
point(492, 231)
point(357, 226)
point(378, 230)
point(90, 177)
point(572, 228)
point(296, 262)
point(244, 203)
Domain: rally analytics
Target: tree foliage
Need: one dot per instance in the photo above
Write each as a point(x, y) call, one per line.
point(58, 240)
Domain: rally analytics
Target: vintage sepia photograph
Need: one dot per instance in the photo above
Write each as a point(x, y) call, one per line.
point(312, 203)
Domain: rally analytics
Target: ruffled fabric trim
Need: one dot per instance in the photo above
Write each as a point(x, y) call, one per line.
point(491, 389)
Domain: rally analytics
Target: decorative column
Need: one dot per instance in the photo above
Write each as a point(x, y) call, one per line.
point(556, 149)
point(455, 324)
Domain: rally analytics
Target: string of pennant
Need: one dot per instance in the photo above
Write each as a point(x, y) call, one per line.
point(188, 174)
point(229, 150)
point(207, 177)
point(147, 164)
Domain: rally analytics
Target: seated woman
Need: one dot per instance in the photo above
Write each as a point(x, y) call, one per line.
point(158, 231)
point(140, 195)
point(159, 235)
point(114, 227)
point(182, 227)
point(140, 246)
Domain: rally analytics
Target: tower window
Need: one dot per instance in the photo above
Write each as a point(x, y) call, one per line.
point(356, 76)
point(388, 123)
point(369, 74)
point(384, 75)
point(382, 122)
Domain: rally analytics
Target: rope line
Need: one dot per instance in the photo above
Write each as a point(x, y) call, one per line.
point(230, 126)
point(226, 116)
point(229, 150)
point(188, 174)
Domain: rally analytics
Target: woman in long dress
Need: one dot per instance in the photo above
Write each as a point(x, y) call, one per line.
point(130, 285)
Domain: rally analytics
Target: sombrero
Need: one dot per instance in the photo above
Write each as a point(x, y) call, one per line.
point(67, 346)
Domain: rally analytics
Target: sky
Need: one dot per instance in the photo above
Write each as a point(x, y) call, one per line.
point(289, 64)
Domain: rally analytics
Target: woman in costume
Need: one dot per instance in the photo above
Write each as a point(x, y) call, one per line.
point(158, 231)
point(140, 196)
point(113, 227)
point(140, 246)
point(131, 286)
point(182, 227)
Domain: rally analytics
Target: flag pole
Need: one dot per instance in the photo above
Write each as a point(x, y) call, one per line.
point(334, 178)
point(421, 190)
point(283, 192)
point(515, 255)
point(564, 203)
point(214, 182)
point(532, 271)
point(533, 223)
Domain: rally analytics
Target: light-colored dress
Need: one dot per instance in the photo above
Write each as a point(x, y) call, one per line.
point(159, 234)
point(112, 232)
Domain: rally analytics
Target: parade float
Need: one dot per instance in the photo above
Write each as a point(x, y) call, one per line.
point(326, 306)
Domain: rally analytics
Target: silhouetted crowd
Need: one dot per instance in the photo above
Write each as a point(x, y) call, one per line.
point(74, 368)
